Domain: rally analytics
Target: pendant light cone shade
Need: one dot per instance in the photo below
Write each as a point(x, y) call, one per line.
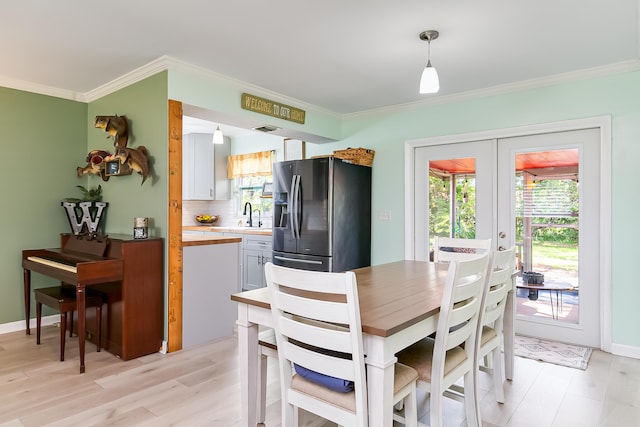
point(429, 82)
point(217, 136)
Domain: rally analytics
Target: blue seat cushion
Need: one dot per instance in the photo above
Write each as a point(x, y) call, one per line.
point(332, 383)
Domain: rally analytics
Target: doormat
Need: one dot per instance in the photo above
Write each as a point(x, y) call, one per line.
point(572, 356)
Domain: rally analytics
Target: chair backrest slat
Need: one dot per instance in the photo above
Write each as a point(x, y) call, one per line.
point(326, 311)
point(331, 339)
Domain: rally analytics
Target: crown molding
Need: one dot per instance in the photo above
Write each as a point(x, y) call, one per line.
point(39, 89)
point(164, 63)
point(150, 69)
point(606, 70)
point(156, 66)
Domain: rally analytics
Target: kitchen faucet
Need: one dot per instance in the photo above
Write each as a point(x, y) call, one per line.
point(250, 221)
point(259, 221)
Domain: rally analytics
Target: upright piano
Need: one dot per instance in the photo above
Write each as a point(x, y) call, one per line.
point(129, 272)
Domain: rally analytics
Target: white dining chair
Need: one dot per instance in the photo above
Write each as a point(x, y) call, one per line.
point(492, 318)
point(446, 249)
point(267, 347)
point(316, 318)
point(443, 360)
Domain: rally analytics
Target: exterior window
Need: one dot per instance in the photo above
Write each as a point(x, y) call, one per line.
point(250, 190)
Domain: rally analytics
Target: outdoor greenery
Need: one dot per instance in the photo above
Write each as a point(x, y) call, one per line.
point(249, 189)
point(554, 210)
point(556, 256)
point(439, 207)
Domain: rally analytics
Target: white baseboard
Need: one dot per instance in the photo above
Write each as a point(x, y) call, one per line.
point(163, 349)
point(625, 350)
point(6, 328)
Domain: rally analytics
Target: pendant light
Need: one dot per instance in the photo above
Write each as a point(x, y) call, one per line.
point(217, 136)
point(429, 82)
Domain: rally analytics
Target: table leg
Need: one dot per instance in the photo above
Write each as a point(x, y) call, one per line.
point(380, 377)
point(248, 354)
point(27, 299)
point(508, 332)
point(81, 306)
point(553, 314)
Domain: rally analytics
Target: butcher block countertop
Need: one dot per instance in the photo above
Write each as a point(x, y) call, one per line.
point(199, 240)
point(220, 229)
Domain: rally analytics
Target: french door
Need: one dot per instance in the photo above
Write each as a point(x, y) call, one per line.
point(538, 192)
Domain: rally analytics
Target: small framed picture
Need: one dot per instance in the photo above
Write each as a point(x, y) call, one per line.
point(293, 149)
point(112, 167)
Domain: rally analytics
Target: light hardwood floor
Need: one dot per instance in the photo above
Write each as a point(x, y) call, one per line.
point(199, 387)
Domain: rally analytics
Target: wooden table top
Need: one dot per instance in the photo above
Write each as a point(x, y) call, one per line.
point(392, 296)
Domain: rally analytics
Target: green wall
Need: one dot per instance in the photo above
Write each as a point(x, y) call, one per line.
point(44, 140)
point(146, 107)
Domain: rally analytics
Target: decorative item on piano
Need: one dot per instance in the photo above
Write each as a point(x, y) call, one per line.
point(140, 228)
point(86, 215)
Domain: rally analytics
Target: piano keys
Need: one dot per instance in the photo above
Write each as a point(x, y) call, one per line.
point(130, 274)
point(67, 265)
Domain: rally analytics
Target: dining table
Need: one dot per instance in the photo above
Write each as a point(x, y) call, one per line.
point(399, 305)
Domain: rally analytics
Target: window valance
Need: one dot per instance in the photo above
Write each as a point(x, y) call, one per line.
point(250, 164)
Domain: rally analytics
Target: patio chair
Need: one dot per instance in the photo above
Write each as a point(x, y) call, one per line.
point(443, 360)
point(316, 318)
point(447, 249)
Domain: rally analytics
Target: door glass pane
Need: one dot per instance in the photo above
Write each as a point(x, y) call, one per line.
point(452, 199)
point(547, 224)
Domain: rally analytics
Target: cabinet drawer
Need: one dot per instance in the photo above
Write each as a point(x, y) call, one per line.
point(257, 242)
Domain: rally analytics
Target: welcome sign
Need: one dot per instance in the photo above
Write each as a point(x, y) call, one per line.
point(272, 108)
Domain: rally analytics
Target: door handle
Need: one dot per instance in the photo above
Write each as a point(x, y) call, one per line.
point(502, 248)
point(502, 234)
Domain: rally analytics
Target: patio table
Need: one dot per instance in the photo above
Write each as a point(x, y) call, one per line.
point(553, 287)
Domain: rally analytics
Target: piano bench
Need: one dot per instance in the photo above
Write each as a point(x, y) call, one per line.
point(63, 299)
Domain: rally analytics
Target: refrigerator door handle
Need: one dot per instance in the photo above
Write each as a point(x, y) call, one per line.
point(303, 261)
point(291, 203)
point(295, 215)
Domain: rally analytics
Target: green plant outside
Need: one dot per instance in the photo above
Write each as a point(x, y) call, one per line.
point(555, 237)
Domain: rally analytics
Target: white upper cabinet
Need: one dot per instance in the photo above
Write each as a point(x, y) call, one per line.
point(221, 182)
point(204, 168)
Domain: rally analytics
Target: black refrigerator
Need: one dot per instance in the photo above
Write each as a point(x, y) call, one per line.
point(321, 214)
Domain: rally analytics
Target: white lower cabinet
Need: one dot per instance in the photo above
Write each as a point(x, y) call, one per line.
point(256, 252)
point(208, 282)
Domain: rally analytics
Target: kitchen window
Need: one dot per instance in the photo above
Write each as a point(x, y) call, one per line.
point(251, 171)
point(250, 189)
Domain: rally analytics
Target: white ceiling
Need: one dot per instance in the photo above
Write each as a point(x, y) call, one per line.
point(343, 56)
